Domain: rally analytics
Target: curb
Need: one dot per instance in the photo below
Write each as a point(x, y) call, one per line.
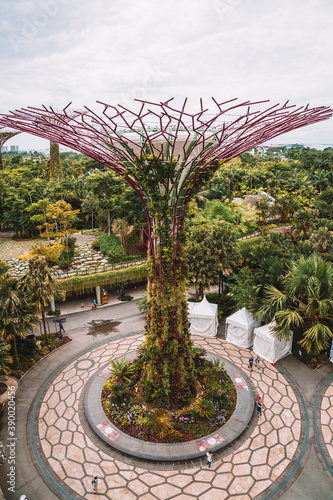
point(170, 452)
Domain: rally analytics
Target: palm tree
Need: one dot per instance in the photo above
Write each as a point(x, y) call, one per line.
point(227, 250)
point(5, 357)
point(16, 313)
point(321, 179)
point(41, 284)
point(304, 221)
point(305, 305)
point(322, 239)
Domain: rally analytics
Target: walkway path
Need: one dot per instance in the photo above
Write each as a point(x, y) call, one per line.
point(263, 463)
point(71, 450)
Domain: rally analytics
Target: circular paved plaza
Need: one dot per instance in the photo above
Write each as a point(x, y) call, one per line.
point(70, 454)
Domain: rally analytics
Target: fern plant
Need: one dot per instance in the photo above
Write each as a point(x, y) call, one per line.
point(217, 365)
point(204, 408)
point(121, 368)
point(160, 421)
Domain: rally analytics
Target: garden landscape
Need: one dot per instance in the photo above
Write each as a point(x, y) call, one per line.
point(166, 257)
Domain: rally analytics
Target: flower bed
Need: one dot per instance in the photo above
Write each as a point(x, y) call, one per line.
point(125, 406)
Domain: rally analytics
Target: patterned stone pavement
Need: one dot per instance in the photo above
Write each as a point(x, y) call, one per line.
point(254, 465)
point(10, 249)
point(326, 419)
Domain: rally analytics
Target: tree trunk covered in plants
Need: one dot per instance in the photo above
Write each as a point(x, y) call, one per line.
point(168, 374)
point(54, 161)
point(168, 371)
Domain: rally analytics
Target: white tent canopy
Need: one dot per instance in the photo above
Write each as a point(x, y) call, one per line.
point(269, 347)
point(239, 328)
point(203, 318)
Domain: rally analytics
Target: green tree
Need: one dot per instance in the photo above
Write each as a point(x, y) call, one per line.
point(263, 210)
point(215, 209)
point(322, 239)
point(305, 219)
point(201, 258)
point(62, 216)
point(227, 251)
point(107, 188)
point(285, 206)
point(122, 229)
point(16, 313)
point(304, 306)
point(90, 207)
point(40, 284)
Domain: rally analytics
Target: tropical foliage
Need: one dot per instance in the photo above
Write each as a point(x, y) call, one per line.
point(125, 404)
point(304, 306)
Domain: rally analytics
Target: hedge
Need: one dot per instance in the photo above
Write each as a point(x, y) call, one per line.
point(114, 277)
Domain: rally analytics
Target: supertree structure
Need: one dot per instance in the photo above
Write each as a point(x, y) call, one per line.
point(164, 153)
point(4, 137)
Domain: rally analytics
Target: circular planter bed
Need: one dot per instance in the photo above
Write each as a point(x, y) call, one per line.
point(125, 443)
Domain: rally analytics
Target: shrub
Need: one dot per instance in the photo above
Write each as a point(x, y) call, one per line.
point(121, 368)
point(51, 254)
point(174, 436)
point(65, 258)
point(95, 245)
point(142, 305)
point(118, 392)
point(57, 312)
point(216, 209)
point(160, 421)
point(110, 246)
point(227, 302)
point(198, 353)
point(71, 240)
point(125, 298)
point(204, 408)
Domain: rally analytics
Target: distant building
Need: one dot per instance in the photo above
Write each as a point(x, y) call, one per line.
point(4, 149)
point(251, 199)
point(14, 149)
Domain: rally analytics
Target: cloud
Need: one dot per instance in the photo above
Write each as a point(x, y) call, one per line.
point(56, 51)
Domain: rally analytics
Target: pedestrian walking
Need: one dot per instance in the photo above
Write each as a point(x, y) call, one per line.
point(62, 329)
point(257, 361)
point(251, 363)
point(259, 408)
point(94, 304)
point(209, 459)
point(94, 482)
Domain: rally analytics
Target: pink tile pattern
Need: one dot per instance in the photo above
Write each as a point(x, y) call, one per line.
point(108, 431)
point(243, 474)
point(241, 384)
point(205, 444)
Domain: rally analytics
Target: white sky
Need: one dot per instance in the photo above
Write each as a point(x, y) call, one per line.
point(56, 51)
